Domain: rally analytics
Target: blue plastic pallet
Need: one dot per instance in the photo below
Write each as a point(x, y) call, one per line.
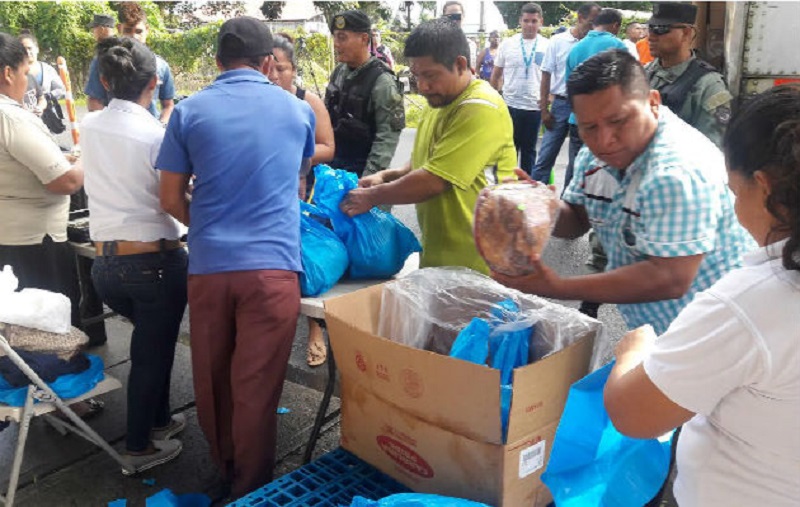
point(332, 480)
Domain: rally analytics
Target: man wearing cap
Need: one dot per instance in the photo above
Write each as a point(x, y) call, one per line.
point(244, 243)
point(102, 27)
point(133, 24)
point(690, 87)
point(363, 99)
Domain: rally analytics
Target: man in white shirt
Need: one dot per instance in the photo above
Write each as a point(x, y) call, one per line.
point(517, 67)
point(633, 34)
point(554, 83)
point(454, 11)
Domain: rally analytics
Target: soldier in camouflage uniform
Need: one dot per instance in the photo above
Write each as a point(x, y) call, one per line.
point(690, 87)
point(363, 99)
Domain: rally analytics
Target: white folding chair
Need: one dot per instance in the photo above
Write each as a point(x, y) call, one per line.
point(48, 402)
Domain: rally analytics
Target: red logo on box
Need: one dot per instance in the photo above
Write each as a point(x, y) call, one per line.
point(360, 362)
point(382, 372)
point(405, 457)
point(412, 383)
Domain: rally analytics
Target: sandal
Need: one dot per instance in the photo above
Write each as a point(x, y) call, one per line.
point(317, 353)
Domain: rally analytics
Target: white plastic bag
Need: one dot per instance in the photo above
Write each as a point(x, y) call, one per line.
point(34, 308)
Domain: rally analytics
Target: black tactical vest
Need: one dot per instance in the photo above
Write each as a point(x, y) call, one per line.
point(674, 94)
point(354, 128)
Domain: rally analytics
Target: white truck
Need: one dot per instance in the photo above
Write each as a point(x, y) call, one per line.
point(755, 44)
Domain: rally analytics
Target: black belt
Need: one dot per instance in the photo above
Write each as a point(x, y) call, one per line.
point(560, 97)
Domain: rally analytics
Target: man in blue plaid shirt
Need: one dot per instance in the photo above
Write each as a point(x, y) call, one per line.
point(653, 188)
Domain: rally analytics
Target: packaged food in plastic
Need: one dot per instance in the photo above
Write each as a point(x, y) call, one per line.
point(513, 222)
point(428, 308)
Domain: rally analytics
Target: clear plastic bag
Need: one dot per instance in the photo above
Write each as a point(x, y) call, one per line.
point(513, 222)
point(35, 308)
point(428, 308)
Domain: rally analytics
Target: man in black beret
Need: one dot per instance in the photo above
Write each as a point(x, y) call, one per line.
point(363, 99)
point(690, 87)
point(102, 26)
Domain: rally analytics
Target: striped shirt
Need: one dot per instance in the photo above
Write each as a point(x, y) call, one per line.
point(672, 201)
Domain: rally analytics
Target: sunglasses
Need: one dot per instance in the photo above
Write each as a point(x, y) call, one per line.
point(453, 17)
point(664, 29)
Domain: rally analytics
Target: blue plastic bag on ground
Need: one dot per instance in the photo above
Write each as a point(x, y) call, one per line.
point(377, 243)
point(414, 500)
point(592, 464)
point(323, 254)
point(166, 498)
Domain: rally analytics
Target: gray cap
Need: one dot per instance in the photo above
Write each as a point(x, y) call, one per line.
point(102, 20)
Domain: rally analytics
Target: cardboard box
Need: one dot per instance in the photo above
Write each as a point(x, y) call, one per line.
point(433, 422)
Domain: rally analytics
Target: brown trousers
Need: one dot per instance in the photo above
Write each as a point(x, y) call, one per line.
point(242, 327)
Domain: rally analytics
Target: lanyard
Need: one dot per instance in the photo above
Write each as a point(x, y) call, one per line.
point(528, 60)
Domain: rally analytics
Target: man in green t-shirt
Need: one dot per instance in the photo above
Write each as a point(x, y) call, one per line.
point(464, 142)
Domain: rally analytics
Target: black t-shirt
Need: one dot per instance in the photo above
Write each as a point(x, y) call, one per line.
point(32, 94)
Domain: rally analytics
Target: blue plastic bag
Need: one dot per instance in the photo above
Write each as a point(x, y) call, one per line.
point(472, 343)
point(414, 500)
point(323, 254)
point(166, 498)
point(504, 343)
point(377, 243)
point(65, 386)
point(592, 464)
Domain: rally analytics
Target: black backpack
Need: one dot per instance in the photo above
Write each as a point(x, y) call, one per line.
point(53, 116)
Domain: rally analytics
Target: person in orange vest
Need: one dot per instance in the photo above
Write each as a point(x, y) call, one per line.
point(643, 47)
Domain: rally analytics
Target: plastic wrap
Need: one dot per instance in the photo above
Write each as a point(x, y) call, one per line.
point(428, 308)
point(513, 222)
point(35, 308)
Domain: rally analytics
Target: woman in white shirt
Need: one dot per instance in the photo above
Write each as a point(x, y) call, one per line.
point(140, 268)
point(728, 368)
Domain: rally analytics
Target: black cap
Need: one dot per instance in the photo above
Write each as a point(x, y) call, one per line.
point(244, 37)
point(353, 21)
point(102, 20)
point(668, 13)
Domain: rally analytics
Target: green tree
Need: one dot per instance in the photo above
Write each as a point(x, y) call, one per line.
point(272, 10)
point(60, 28)
point(330, 9)
point(554, 12)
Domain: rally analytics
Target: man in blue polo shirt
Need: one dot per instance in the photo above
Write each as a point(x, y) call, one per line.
point(655, 191)
point(244, 244)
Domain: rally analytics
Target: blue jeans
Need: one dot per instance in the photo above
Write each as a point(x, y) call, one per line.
point(150, 291)
point(526, 133)
point(575, 145)
point(552, 140)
